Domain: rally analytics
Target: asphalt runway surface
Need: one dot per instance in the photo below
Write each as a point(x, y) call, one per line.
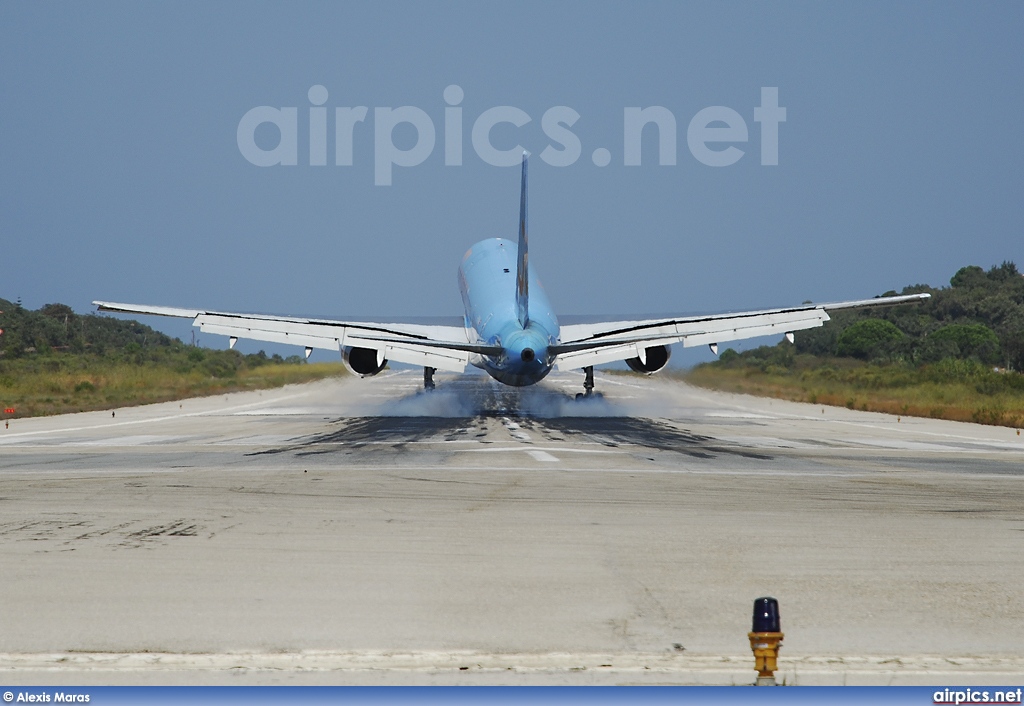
point(363, 532)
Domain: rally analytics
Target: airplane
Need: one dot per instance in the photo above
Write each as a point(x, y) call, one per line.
point(510, 328)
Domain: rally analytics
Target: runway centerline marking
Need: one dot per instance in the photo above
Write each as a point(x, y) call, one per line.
point(514, 430)
point(542, 456)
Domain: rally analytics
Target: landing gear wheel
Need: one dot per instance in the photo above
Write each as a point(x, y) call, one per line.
point(588, 381)
point(428, 378)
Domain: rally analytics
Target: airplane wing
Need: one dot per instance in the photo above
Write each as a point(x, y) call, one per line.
point(591, 344)
point(441, 347)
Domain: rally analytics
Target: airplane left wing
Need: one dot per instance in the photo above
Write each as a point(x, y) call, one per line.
point(592, 344)
point(441, 347)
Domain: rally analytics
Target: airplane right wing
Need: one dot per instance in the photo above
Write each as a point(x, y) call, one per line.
point(441, 347)
point(592, 344)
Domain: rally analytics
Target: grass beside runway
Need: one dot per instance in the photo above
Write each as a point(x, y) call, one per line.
point(951, 389)
point(958, 355)
point(35, 387)
point(54, 361)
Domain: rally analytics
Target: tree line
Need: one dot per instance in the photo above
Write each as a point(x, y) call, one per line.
point(56, 336)
point(979, 317)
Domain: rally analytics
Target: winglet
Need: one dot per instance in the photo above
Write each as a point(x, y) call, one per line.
point(150, 310)
point(522, 271)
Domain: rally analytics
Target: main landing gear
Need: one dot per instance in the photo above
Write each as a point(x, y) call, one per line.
point(428, 378)
point(588, 383)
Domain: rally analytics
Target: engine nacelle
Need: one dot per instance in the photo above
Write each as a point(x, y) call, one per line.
point(362, 361)
point(657, 357)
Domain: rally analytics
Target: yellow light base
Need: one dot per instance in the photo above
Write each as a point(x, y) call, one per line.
point(765, 646)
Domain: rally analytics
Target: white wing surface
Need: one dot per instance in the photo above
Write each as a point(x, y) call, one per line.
point(591, 344)
point(441, 347)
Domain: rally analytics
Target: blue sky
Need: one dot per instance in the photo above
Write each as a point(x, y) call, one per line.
point(121, 178)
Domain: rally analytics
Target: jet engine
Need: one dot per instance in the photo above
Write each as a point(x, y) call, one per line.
point(657, 357)
point(362, 361)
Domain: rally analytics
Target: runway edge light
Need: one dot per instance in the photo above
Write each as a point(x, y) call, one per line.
point(766, 639)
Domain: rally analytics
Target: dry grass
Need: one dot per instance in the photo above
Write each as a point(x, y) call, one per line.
point(890, 389)
point(105, 385)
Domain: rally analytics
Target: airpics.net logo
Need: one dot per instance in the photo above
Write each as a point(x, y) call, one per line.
point(712, 134)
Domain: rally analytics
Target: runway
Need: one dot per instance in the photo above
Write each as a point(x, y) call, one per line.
point(362, 532)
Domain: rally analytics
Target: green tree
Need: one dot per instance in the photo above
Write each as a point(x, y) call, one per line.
point(971, 341)
point(871, 338)
point(1004, 272)
point(969, 277)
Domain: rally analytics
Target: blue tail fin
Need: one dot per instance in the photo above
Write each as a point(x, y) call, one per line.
point(522, 272)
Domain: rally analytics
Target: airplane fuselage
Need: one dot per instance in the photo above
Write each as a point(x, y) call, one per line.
point(487, 282)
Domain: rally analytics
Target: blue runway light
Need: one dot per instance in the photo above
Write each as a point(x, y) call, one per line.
point(766, 639)
point(766, 615)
